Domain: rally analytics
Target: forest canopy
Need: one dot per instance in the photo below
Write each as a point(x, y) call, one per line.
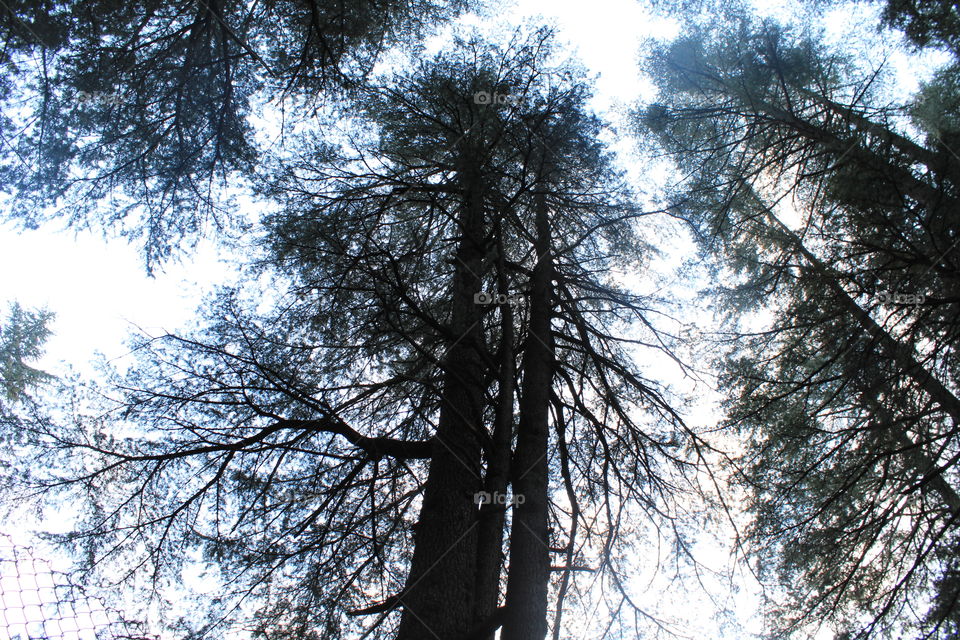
point(483, 371)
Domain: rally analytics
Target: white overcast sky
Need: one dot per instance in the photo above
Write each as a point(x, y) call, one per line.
point(98, 288)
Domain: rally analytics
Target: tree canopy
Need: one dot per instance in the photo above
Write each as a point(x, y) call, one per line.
point(428, 409)
point(22, 338)
point(138, 113)
point(433, 426)
point(839, 222)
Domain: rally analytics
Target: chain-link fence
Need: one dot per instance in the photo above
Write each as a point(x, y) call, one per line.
point(40, 603)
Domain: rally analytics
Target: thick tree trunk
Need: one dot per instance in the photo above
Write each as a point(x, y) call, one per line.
point(438, 599)
point(529, 573)
point(493, 514)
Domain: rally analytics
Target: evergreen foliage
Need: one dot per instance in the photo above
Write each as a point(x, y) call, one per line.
point(323, 438)
point(832, 216)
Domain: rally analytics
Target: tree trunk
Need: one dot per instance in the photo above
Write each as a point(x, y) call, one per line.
point(901, 354)
point(922, 463)
point(529, 573)
point(438, 599)
point(916, 153)
point(493, 515)
point(906, 181)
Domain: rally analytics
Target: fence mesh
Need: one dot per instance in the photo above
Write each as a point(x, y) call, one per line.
point(40, 603)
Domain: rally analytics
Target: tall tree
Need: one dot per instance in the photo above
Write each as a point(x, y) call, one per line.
point(327, 448)
point(836, 219)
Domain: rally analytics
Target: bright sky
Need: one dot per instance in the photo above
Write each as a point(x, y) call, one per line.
point(98, 288)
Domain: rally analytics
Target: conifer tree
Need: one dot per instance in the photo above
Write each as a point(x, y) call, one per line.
point(136, 115)
point(326, 445)
point(828, 213)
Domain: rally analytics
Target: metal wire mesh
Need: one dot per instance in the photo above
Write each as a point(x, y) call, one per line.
point(40, 603)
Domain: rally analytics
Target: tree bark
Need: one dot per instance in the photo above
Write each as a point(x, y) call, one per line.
point(529, 573)
point(493, 516)
point(438, 598)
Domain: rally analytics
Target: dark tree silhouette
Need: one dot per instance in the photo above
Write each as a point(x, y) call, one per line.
point(847, 400)
point(139, 112)
point(432, 324)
